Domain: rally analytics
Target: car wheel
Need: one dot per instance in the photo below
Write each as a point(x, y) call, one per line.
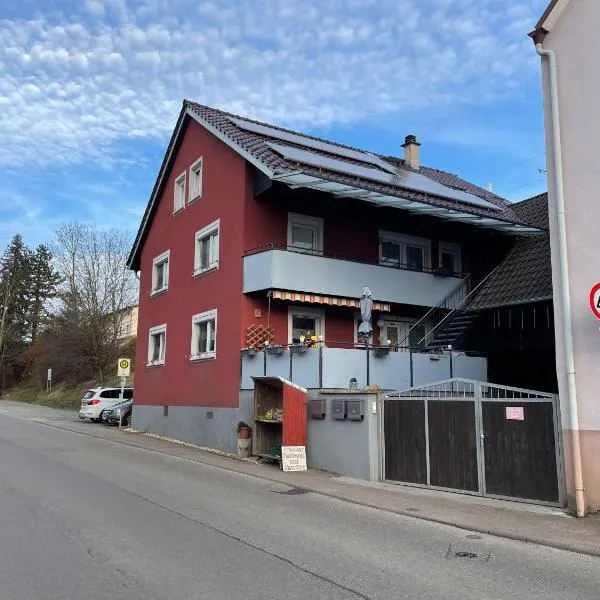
point(95, 420)
point(127, 420)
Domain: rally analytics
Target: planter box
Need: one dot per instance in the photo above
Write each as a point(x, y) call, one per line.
point(250, 352)
point(298, 349)
point(277, 350)
point(381, 352)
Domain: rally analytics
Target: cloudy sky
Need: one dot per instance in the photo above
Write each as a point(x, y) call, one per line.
point(90, 90)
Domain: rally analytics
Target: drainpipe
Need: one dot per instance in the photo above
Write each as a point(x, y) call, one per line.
point(564, 276)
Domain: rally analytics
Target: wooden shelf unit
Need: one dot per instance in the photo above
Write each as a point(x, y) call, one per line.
point(277, 393)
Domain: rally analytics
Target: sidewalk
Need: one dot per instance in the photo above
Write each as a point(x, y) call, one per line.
point(513, 520)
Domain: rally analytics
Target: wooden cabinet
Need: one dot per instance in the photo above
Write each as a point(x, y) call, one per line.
point(279, 416)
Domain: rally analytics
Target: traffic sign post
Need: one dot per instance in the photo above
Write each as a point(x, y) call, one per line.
point(123, 371)
point(595, 300)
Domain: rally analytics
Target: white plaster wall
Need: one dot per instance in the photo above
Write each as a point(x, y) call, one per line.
point(574, 40)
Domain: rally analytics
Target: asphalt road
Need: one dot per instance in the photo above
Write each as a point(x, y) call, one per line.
point(91, 519)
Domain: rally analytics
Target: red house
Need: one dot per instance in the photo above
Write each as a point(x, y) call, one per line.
point(257, 235)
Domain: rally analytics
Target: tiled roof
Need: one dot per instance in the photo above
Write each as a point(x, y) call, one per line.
point(255, 147)
point(525, 275)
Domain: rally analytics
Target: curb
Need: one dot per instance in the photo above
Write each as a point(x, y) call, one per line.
point(557, 545)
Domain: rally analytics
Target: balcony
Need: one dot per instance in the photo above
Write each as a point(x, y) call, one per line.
point(274, 268)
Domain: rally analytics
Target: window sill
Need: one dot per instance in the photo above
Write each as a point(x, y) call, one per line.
point(160, 291)
point(176, 211)
point(202, 357)
point(200, 272)
point(192, 200)
point(158, 363)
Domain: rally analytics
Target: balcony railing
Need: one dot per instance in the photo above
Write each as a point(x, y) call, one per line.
point(272, 267)
point(332, 365)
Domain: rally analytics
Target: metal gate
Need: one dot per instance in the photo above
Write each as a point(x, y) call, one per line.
point(475, 437)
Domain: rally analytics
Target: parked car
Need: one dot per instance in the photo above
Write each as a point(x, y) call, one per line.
point(123, 410)
point(97, 400)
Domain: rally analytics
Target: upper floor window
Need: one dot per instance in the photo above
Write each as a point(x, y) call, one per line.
point(157, 345)
point(195, 187)
point(207, 248)
point(160, 273)
point(305, 234)
point(450, 259)
point(204, 335)
point(406, 251)
point(179, 193)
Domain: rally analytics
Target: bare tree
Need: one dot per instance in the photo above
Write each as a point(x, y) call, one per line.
point(97, 287)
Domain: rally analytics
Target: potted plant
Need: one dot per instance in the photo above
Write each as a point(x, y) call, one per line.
point(298, 348)
point(250, 352)
point(243, 430)
point(383, 350)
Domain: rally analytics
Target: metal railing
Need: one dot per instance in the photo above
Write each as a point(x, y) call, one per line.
point(446, 306)
point(447, 318)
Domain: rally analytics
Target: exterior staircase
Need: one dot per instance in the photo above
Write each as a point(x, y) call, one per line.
point(449, 320)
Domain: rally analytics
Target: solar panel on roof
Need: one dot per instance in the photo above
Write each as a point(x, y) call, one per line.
point(400, 178)
point(295, 138)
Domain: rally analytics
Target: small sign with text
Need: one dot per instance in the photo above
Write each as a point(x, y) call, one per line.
point(515, 413)
point(293, 458)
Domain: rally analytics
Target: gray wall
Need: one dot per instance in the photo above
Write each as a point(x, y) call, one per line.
point(278, 269)
point(344, 447)
point(190, 423)
point(390, 372)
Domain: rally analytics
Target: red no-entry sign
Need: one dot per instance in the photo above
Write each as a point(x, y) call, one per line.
point(595, 300)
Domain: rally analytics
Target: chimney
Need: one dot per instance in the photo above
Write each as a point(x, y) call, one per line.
point(411, 152)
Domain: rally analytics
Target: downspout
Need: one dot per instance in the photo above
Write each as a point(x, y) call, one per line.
point(564, 276)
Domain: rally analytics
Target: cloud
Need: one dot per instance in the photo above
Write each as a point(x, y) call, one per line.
point(73, 88)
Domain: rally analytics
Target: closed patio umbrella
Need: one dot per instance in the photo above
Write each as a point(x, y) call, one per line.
point(365, 329)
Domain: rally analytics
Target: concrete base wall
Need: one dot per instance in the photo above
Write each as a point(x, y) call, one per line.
point(590, 459)
point(345, 447)
point(205, 426)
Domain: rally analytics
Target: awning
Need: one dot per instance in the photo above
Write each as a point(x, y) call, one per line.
point(326, 300)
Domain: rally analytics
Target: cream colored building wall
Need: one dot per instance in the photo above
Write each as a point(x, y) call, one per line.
point(573, 38)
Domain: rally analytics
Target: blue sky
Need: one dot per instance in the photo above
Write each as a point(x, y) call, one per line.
point(90, 90)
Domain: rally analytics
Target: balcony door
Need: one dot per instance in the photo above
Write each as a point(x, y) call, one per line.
point(399, 331)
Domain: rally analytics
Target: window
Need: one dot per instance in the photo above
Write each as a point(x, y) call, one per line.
point(450, 259)
point(157, 345)
point(403, 332)
point(179, 193)
point(305, 322)
point(195, 190)
point(160, 273)
point(305, 234)
point(204, 335)
point(113, 394)
point(405, 251)
point(207, 249)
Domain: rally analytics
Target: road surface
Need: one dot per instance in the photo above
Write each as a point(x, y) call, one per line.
point(91, 519)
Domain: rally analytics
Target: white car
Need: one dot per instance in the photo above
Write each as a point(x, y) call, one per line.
point(96, 400)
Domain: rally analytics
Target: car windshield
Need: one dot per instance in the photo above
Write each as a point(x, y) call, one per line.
point(89, 394)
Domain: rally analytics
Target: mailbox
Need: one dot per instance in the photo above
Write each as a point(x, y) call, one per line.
point(355, 410)
point(338, 409)
point(317, 408)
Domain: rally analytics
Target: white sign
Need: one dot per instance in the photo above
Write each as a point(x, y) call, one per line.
point(515, 413)
point(49, 374)
point(293, 458)
point(123, 367)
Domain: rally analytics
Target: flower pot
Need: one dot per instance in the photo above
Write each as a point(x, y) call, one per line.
point(298, 349)
point(381, 352)
point(275, 350)
point(250, 352)
point(244, 433)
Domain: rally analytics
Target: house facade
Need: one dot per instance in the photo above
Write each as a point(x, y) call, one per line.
point(256, 237)
point(565, 39)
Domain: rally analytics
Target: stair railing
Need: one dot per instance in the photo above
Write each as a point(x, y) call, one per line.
point(448, 303)
point(459, 308)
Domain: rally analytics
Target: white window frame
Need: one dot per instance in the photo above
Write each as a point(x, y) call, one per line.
point(317, 313)
point(209, 315)
point(403, 241)
point(399, 322)
point(158, 329)
point(214, 227)
point(195, 184)
point(179, 181)
point(314, 223)
point(454, 249)
point(165, 257)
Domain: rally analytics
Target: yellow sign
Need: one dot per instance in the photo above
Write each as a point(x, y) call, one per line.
point(124, 367)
